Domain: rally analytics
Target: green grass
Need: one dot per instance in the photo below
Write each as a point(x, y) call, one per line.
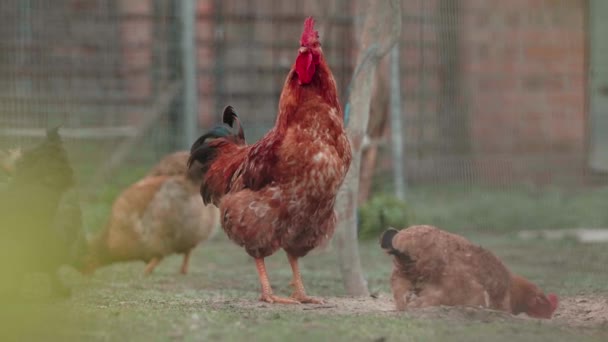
point(217, 300)
point(461, 207)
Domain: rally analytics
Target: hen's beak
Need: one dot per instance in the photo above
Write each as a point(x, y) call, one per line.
point(303, 49)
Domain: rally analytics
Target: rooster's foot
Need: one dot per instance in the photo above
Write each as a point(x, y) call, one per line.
point(269, 298)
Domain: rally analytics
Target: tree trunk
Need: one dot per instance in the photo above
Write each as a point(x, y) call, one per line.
point(381, 30)
point(368, 168)
point(376, 129)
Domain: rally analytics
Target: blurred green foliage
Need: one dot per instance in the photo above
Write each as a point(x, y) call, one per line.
point(380, 212)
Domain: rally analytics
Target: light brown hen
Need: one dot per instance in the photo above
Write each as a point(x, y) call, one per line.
point(160, 215)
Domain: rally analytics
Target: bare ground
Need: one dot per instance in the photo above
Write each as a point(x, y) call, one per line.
point(577, 311)
point(583, 310)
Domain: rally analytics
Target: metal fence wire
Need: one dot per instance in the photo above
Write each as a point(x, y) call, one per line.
point(493, 92)
point(100, 69)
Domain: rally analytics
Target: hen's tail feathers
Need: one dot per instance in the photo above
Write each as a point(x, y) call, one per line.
point(386, 240)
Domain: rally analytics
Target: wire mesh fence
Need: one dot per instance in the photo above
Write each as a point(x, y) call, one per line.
point(493, 92)
point(103, 70)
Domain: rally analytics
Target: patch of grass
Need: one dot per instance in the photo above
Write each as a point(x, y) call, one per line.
point(119, 303)
point(502, 210)
point(240, 325)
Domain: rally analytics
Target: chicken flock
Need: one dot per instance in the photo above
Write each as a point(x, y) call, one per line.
point(277, 193)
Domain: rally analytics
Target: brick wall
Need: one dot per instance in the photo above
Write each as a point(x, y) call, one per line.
point(136, 42)
point(205, 35)
point(504, 103)
point(524, 74)
point(245, 50)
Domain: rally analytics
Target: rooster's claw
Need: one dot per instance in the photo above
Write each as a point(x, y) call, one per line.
point(268, 298)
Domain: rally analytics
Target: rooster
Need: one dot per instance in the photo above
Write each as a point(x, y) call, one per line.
point(433, 267)
point(280, 192)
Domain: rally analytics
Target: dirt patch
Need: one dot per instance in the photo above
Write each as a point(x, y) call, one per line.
point(334, 305)
point(583, 310)
point(578, 311)
point(381, 304)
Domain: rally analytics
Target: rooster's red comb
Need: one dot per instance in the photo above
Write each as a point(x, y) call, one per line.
point(309, 35)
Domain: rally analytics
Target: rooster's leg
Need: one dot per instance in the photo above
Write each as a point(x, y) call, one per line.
point(185, 263)
point(267, 295)
point(151, 265)
point(299, 293)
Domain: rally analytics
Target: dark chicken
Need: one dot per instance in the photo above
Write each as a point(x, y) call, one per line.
point(279, 193)
point(40, 219)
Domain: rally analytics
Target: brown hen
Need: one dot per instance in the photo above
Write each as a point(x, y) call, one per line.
point(433, 267)
point(160, 215)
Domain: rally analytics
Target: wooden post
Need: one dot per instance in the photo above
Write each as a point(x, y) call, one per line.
point(381, 30)
point(190, 89)
point(377, 128)
point(397, 142)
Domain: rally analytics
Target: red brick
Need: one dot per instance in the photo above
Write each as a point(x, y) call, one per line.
point(498, 82)
point(136, 32)
point(568, 100)
point(135, 7)
point(545, 52)
point(137, 58)
point(205, 31)
point(139, 86)
point(543, 82)
point(204, 7)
